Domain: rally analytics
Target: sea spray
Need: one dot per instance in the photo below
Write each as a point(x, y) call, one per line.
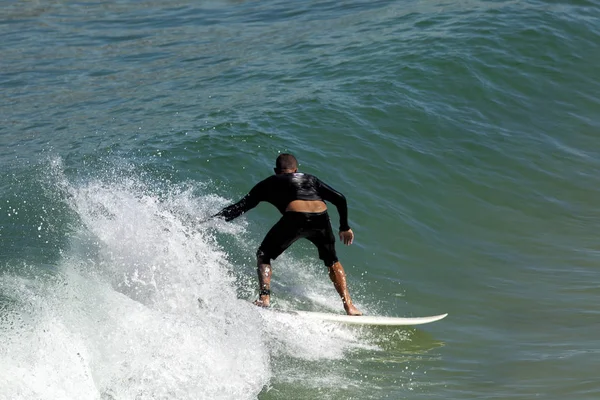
point(143, 303)
point(120, 319)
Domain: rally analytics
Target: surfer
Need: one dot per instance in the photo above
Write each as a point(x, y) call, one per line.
point(301, 199)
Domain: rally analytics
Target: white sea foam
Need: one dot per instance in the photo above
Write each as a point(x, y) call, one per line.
point(144, 306)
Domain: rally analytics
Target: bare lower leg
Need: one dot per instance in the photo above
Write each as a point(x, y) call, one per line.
point(264, 284)
point(338, 277)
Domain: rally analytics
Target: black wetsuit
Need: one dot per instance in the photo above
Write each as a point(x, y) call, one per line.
point(280, 190)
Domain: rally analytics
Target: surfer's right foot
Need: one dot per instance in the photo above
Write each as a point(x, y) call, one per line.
point(351, 310)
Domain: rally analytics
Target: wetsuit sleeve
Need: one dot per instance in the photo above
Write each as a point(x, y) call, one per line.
point(331, 195)
point(247, 203)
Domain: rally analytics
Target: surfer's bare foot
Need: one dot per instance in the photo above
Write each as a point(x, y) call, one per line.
point(264, 301)
point(351, 310)
point(338, 277)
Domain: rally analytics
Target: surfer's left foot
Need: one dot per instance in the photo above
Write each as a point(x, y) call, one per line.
point(351, 310)
point(264, 301)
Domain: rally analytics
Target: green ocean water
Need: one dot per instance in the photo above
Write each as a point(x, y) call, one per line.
point(463, 134)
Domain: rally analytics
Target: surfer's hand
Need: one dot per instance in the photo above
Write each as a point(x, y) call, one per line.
point(347, 236)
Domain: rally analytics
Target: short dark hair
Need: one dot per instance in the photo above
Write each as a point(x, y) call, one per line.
point(286, 161)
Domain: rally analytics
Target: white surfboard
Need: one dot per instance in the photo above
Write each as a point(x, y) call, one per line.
point(368, 319)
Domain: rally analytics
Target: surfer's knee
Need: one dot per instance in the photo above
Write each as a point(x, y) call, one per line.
point(330, 261)
point(327, 254)
point(262, 257)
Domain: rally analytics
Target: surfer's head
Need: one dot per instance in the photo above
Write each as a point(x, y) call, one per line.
point(286, 164)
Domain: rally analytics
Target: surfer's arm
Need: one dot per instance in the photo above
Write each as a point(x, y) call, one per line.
point(338, 200)
point(247, 203)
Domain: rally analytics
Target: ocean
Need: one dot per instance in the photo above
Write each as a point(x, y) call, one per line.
point(463, 134)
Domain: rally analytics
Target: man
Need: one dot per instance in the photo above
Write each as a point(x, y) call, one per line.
point(301, 199)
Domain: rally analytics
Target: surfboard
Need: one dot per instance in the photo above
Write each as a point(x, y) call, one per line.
point(368, 319)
